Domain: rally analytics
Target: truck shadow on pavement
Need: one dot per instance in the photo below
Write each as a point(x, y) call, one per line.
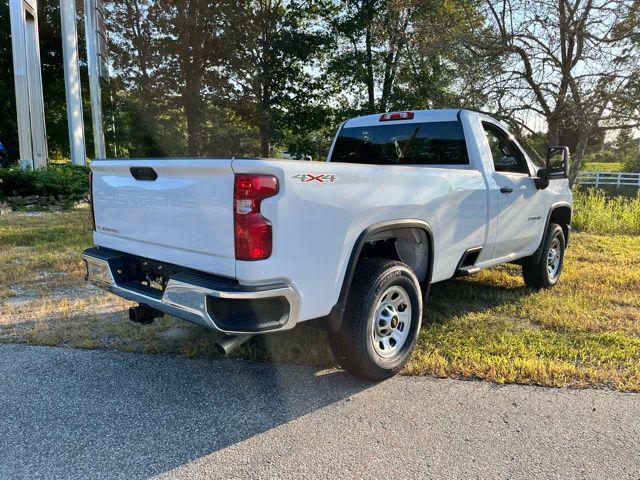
point(96, 414)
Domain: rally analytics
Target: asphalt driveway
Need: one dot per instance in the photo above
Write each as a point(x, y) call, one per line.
point(93, 414)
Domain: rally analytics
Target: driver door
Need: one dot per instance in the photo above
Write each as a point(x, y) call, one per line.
point(521, 205)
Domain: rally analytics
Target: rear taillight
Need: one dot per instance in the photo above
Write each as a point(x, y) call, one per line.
point(90, 198)
point(253, 236)
point(386, 117)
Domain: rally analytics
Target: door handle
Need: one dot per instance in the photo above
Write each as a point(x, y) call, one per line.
point(143, 173)
point(506, 190)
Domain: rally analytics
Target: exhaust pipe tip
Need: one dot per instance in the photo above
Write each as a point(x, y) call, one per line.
point(228, 343)
point(219, 349)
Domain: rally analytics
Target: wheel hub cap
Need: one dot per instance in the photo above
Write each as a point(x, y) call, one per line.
point(554, 257)
point(392, 321)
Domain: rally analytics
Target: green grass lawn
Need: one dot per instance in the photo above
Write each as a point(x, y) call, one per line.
point(583, 333)
point(603, 166)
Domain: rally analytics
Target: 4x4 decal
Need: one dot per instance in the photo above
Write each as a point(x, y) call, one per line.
point(309, 177)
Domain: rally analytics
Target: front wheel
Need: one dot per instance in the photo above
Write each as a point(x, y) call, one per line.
point(544, 272)
point(381, 321)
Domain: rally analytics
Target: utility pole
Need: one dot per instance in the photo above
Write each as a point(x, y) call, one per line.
point(32, 132)
point(72, 86)
point(94, 22)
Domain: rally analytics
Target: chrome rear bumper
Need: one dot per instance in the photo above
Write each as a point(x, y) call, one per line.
point(198, 297)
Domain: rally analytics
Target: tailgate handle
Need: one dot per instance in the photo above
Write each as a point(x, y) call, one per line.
point(144, 173)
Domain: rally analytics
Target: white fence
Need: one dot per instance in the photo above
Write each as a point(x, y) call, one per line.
point(600, 179)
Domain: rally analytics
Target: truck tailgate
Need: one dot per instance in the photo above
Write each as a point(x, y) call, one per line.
point(177, 211)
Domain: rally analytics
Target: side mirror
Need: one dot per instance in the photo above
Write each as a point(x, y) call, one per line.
point(557, 165)
point(541, 181)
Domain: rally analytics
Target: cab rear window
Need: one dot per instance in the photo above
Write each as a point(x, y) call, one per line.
point(430, 143)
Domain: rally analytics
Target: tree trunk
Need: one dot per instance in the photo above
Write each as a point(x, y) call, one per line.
point(265, 115)
point(553, 131)
point(192, 101)
point(265, 144)
point(384, 99)
point(370, 85)
point(387, 81)
point(578, 156)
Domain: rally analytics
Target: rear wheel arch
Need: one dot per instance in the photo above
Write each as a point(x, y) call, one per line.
point(413, 245)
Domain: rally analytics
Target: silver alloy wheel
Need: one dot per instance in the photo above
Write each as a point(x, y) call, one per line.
point(391, 322)
point(554, 256)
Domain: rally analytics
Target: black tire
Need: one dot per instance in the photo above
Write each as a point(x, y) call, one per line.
point(353, 344)
point(534, 269)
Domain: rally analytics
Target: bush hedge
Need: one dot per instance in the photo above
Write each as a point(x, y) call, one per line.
point(68, 182)
point(597, 212)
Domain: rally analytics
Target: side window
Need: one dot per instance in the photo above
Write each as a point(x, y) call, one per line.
point(507, 157)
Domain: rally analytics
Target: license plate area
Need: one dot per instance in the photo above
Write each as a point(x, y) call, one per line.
point(149, 274)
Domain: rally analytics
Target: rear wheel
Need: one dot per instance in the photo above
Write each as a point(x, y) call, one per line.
point(544, 272)
point(381, 321)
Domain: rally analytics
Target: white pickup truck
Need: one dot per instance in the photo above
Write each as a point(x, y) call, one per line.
point(404, 200)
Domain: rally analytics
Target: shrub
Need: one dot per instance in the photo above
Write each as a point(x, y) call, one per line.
point(632, 163)
point(69, 182)
point(595, 212)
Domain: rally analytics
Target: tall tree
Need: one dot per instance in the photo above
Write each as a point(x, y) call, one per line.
point(193, 43)
point(573, 63)
point(405, 53)
point(273, 67)
point(135, 57)
point(374, 34)
point(438, 71)
point(169, 51)
point(627, 149)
